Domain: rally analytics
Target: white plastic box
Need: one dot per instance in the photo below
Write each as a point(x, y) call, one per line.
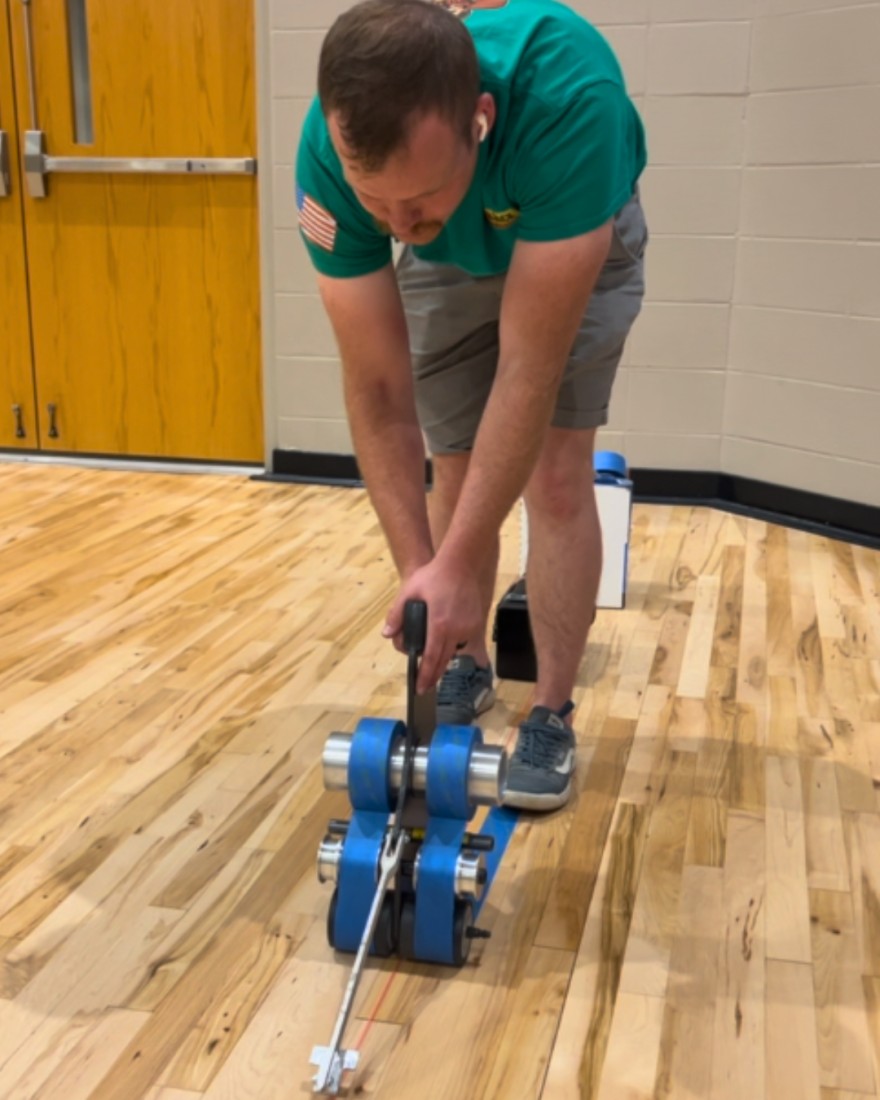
point(614, 500)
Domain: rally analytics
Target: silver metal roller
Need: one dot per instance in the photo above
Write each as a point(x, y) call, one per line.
point(470, 868)
point(329, 858)
point(470, 874)
point(487, 769)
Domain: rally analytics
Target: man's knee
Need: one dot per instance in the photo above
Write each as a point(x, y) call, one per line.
point(561, 485)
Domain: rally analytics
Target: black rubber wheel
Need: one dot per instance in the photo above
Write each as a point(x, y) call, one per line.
point(406, 947)
point(461, 922)
point(383, 938)
point(331, 919)
point(461, 942)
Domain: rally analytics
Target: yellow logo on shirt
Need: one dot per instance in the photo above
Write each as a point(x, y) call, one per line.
point(502, 219)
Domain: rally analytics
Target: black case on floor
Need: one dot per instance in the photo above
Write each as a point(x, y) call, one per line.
point(514, 648)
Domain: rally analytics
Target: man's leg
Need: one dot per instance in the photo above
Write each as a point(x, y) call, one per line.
point(565, 560)
point(562, 578)
point(565, 546)
point(565, 555)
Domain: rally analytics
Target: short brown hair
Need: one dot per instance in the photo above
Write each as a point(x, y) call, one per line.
point(385, 63)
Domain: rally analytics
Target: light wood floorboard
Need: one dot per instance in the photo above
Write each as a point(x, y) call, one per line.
point(701, 922)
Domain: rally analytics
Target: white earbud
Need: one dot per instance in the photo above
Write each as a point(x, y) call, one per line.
point(483, 124)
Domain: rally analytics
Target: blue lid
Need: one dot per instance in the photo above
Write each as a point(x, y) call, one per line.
point(609, 462)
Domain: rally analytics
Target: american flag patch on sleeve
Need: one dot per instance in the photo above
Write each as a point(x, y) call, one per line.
point(318, 225)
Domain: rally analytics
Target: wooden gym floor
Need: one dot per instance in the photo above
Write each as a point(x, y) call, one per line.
point(703, 920)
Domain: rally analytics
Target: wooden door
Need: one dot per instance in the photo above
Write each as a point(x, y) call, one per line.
point(144, 287)
point(18, 422)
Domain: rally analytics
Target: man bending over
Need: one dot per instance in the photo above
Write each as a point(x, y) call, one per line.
point(497, 143)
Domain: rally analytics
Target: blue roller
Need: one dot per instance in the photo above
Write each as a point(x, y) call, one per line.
point(369, 765)
point(371, 799)
point(358, 876)
point(448, 761)
point(435, 894)
point(450, 809)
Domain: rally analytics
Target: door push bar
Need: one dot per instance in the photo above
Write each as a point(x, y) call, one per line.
point(38, 165)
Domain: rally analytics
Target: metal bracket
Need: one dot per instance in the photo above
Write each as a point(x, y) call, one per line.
point(5, 183)
point(34, 156)
point(332, 1061)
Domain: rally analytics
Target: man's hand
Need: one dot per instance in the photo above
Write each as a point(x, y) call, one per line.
point(454, 615)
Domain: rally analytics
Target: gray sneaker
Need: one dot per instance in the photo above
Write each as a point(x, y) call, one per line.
point(542, 765)
point(464, 692)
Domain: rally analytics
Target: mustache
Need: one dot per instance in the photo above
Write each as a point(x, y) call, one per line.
point(419, 227)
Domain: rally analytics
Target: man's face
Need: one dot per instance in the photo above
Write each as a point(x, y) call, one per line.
point(419, 188)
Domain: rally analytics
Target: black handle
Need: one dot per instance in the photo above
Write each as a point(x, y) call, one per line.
point(415, 626)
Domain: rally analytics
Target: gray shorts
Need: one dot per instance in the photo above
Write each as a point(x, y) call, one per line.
point(453, 333)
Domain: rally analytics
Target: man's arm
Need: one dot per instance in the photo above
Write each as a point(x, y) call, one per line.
point(545, 296)
point(367, 317)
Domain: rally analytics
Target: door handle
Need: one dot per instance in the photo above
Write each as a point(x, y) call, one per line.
point(5, 182)
point(38, 165)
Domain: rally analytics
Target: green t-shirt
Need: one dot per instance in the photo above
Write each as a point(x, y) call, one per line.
point(563, 156)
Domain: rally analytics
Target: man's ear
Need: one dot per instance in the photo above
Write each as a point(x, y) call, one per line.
point(485, 117)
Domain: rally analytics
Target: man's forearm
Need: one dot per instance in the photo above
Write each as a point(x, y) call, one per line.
point(391, 455)
point(510, 437)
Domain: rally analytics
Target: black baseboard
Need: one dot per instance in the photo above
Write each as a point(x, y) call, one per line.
point(824, 515)
point(312, 468)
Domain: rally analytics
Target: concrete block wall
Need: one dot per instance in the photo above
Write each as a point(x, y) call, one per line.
point(758, 349)
point(803, 383)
